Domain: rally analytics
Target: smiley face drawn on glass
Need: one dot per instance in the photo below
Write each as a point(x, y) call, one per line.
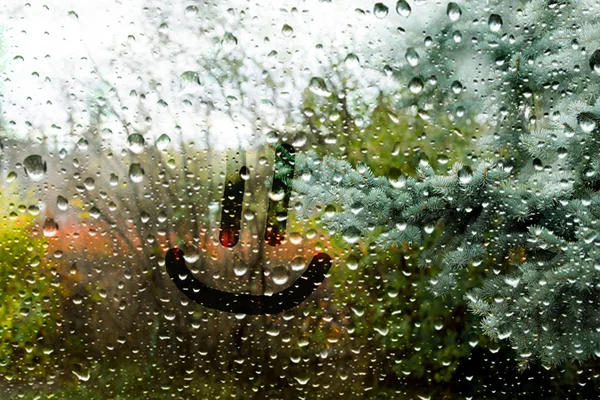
point(242, 303)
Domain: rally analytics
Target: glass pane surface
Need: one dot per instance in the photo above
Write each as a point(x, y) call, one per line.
point(299, 199)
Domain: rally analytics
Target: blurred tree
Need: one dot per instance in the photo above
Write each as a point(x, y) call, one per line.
point(509, 208)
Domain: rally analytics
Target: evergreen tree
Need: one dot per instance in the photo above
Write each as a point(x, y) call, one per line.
point(527, 204)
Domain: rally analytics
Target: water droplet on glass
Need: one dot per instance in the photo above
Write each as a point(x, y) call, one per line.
point(318, 87)
point(403, 8)
point(77, 299)
point(415, 85)
point(412, 57)
point(457, 36)
point(113, 180)
point(495, 22)
point(329, 210)
point(453, 11)
point(465, 176)
point(82, 144)
point(163, 142)
point(169, 315)
point(287, 30)
point(388, 70)
point(50, 228)
point(296, 238)
point(62, 203)
point(135, 143)
point(382, 331)
point(244, 173)
point(191, 253)
point(351, 235)
point(595, 61)
point(191, 11)
point(586, 122)
point(136, 173)
point(144, 217)
point(33, 210)
point(357, 207)
point(380, 10)
point(296, 356)
point(271, 137)
point(240, 269)
point(35, 167)
point(191, 76)
point(352, 262)
point(562, 152)
point(277, 196)
point(456, 87)
point(352, 60)
point(300, 139)
point(95, 212)
point(396, 178)
point(229, 41)
point(298, 263)
point(82, 373)
point(163, 28)
point(273, 331)
point(89, 183)
point(280, 275)
point(249, 215)
point(428, 41)
point(514, 282)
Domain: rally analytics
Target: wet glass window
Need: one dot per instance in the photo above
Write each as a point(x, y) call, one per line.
point(315, 199)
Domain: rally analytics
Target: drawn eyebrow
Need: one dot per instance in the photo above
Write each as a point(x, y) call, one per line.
point(241, 303)
point(282, 178)
point(231, 210)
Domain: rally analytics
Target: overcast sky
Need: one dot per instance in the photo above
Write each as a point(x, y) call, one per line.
point(53, 47)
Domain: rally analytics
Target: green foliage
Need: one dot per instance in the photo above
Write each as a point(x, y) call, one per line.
point(387, 297)
point(390, 136)
point(424, 337)
point(28, 302)
point(533, 193)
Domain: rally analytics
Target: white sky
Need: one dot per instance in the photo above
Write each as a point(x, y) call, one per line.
point(55, 44)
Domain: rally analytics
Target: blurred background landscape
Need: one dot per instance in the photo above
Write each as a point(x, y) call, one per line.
point(117, 122)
